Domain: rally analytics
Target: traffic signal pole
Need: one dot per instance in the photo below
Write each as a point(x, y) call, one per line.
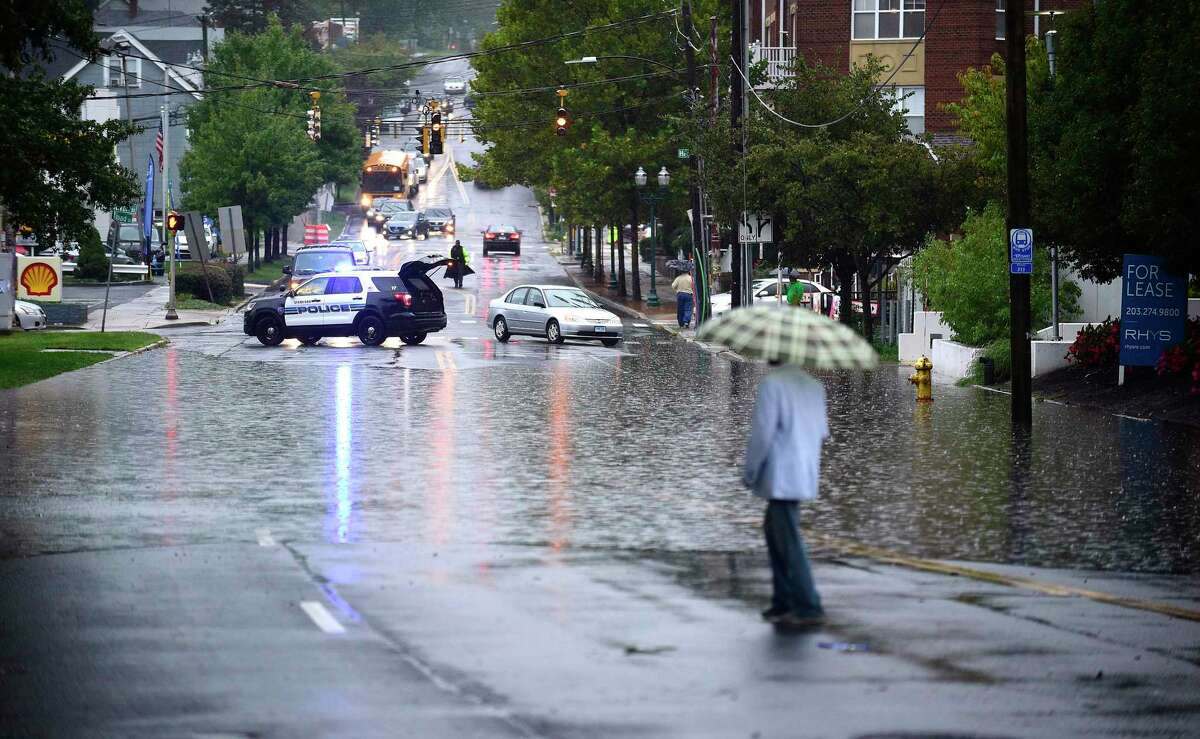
point(168, 241)
point(737, 104)
point(1018, 210)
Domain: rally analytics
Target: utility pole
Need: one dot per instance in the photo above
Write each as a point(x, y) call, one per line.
point(1018, 209)
point(699, 243)
point(168, 241)
point(737, 104)
point(112, 248)
point(1051, 38)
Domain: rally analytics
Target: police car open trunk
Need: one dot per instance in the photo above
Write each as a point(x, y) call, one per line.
point(425, 295)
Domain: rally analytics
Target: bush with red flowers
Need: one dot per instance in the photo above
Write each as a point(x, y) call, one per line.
point(1184, 357)
point(1098, 345)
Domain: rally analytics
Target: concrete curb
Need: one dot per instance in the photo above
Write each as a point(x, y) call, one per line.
point(122, 355)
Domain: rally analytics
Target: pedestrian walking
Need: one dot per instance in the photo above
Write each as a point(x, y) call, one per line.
point(795, 291)
point(457, 270)
point(682, 285)
point(783, 463)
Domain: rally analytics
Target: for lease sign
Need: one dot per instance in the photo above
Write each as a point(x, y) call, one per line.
point(1153, 309)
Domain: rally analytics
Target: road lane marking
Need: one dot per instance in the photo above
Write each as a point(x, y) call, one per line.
point(445, 361)
point(469, 303)
point(264, 537)
point(467, 320)
point(321, 617)
point(1012, 581)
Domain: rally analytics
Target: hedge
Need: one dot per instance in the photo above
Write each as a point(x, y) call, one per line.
point(190, 279)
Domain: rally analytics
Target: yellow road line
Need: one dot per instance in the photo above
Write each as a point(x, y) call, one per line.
point(1012, 581)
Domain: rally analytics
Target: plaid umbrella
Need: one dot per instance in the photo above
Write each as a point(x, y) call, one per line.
point(793, 335)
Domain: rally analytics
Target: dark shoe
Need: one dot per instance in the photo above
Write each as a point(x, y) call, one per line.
point(772, 614)
point(792, 622)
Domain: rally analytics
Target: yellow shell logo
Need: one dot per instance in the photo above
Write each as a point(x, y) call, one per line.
point(39, 279)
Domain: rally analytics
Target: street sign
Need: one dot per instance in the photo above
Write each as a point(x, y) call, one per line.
point(684, 153)
point(1153, 309)
point(1020, 268)
point(755, 228)
point(1020, 246)
point(123, 215)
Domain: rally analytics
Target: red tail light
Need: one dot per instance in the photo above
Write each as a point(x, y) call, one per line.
point(404, 299)
point(489, 235)
point(514, 236)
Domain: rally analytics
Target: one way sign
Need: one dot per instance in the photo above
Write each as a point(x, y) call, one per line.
point(755, 228)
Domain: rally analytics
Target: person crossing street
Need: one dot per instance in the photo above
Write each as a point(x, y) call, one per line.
point(458, 269)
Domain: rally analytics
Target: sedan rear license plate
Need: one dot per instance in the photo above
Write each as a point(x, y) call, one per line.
point(599, 329)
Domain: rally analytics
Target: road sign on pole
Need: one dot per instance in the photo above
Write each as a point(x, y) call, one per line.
point(1020, 251)
point(755, 228)
point(123, 215)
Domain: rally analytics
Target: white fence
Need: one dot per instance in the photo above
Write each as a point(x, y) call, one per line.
point(779, 61)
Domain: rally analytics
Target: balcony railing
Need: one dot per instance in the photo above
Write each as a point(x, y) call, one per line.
point(779, 61)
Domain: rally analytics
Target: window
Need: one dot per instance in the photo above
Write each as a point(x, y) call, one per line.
point(517, 297)
point(1000, 19)
point(911, 102)
point(315, 286)
point(112, 71)
point(343, 286)
point(887, 19)
point(534, 297)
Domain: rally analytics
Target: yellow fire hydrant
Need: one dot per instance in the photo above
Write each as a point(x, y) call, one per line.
point(923, 379)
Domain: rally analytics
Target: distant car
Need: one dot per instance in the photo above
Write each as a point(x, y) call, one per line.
point(362, 255)
point(502, 238)
point(380, 214)
point(469, 101)
point(315, 260)
point(405, 224)
point(454, 85)
point(439, 220)
point(28, 316)
point(765, 290)
point(420, 168)
point(369, 304)
point(555, 312)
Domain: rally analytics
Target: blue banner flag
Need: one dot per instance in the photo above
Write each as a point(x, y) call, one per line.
point(148, 208)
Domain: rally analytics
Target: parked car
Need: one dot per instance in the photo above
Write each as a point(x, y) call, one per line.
point(454, 85)
point(315, 260)
point(766, 290)
point(28, 316)
point(502, 238)
point(439, 220)
point(405, 224)
point(553, 311)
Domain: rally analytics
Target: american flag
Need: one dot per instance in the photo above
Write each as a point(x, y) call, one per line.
point(158, 146)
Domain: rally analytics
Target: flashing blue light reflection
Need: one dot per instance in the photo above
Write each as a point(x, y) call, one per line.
point(342, 505)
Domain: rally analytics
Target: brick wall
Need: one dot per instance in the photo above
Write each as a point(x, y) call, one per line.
point(963, 36)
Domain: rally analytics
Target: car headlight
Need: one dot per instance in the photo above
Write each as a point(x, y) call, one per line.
point(250, 306)
point(29, 310)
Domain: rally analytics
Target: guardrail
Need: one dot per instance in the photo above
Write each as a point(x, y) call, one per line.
point(118, 269)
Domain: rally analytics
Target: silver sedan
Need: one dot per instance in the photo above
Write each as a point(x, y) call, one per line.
point(28, 316)
point(553, 311)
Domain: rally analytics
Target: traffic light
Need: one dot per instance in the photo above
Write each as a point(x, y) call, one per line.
point(561, 121)
point(425, 140)
point(314, 123)
point(437, 134)
point(174, 221)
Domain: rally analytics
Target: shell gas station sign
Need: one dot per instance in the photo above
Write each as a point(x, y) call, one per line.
point(39, 278)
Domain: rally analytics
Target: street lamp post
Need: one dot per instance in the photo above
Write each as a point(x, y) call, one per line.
point(652, 197)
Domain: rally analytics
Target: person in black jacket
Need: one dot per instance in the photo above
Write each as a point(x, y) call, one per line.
point(458, 254)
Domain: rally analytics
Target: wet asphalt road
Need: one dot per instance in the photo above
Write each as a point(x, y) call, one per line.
point(223, 539)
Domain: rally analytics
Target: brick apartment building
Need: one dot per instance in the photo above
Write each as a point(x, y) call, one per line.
point(959, 34)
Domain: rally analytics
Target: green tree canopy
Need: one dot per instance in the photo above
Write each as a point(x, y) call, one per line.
point(58, 168)
point(1114, 137)
point(251, 147)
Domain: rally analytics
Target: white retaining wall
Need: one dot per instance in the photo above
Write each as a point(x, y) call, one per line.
point(953, 361)
point(927, 325)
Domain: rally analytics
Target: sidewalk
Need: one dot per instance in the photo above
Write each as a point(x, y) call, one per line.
point(148, 312)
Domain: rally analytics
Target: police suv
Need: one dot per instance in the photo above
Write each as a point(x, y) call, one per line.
point(371, 304)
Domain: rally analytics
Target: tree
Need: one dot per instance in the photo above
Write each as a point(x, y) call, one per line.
point(860, 194)
point(615, 126)
point(58, 168)
point(250, 146)
point(1114, 138)
point(967, 280)
point(93, 258)
point(253, 16)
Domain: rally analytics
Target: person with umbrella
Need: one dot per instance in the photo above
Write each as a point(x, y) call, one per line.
point(783, 452)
